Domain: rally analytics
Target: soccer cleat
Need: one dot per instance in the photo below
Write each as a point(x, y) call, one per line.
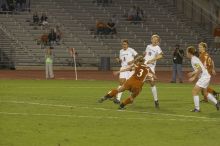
point(156, 104)
point(217, 106)
point(102, 99)
point(216, 95)
point(121, 106)
point(195, 110)
point(116, 101)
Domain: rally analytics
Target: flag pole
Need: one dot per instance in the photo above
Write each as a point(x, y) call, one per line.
point(73, 56)
point(74, 59)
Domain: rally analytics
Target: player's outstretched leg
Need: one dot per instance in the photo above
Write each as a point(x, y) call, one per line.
point(213, 92)
point(104, 98)
point(110, 94)
point(213, 100)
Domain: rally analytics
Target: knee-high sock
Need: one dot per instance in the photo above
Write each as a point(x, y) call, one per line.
point(210, 90)
point(196, 101)
point(212, 98)
point(119, 94)
point(112, 93)
point(154, 92)
point(128, 100)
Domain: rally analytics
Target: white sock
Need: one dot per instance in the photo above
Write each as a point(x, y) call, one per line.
point(119, 94)
point(212, 98)
point(154, 92)
point(196, 102)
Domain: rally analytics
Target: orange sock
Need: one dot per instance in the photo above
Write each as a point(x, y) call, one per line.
point(112, 93)
point(128, 100)
point(210, 90)
point(205, 98)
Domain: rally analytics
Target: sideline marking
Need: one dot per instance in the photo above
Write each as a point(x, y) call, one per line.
point(104, 109)
point(104, 117)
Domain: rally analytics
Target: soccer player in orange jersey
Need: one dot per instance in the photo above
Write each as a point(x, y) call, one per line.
point(134, 83)
point(209, 65)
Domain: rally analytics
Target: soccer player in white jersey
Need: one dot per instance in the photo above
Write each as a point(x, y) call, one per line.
point(153, 53)
point(200, 73)
point(126, 55)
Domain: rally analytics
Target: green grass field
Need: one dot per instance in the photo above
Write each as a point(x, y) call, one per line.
point(66, 113)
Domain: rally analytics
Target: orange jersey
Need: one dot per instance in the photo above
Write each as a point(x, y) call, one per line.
point(136, 81)
point(142, 72)
point(206, 61)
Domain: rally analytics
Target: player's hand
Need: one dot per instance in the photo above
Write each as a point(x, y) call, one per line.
point(213, 72)
point(130, 62)
point(115, 73)
point(150, 61)
point(190, 74)
point(192, 79)
point(117, 60)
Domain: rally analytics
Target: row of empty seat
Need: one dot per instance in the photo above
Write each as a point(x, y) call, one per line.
point(77, 18)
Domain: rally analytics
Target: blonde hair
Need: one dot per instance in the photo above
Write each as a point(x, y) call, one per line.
point(204, 45)
point(156, 36)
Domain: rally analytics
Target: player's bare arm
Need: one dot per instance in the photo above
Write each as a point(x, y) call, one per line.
point(129, 68)
point(117, 59)
point(194, 75)
point(213, 68)
point(156, 58)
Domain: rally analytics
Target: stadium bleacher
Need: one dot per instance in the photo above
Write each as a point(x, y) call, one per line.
point(77, 18)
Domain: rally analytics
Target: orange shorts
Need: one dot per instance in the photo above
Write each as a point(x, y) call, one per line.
point(134, 86)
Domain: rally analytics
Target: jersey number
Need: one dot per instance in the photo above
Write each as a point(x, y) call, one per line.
point(140, 73)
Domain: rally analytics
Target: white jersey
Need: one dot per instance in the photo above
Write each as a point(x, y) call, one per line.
point(127, 56)
point(151, 52)
point(195, 61)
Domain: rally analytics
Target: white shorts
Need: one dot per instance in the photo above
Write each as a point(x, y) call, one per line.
point(152, 67)
point(125, 75)
point(203, 82)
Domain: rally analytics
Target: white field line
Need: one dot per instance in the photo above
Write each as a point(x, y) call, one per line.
point(104, 117)
point(186, 117)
